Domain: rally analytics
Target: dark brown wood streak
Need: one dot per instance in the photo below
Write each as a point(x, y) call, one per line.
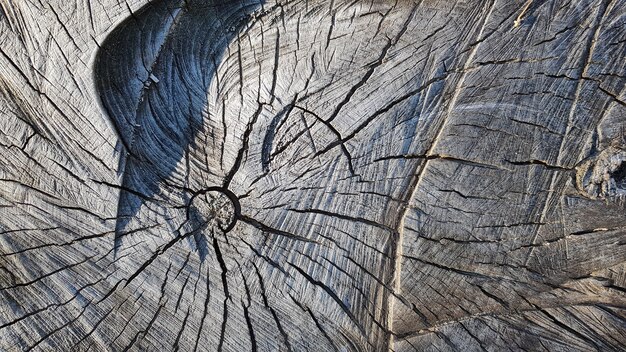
point(313, 175)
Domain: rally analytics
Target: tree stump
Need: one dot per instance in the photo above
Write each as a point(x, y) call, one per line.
point(250, 175)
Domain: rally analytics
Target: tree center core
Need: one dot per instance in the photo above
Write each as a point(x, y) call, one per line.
point(217, 209)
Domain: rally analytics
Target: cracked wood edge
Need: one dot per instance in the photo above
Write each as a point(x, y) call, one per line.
point(64, 205)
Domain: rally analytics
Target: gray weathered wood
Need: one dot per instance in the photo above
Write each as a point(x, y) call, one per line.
point(312, 175)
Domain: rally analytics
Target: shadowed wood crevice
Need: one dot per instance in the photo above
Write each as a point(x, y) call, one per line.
point(312, 175)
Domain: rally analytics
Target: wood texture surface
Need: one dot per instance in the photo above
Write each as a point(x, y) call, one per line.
point(249, 175)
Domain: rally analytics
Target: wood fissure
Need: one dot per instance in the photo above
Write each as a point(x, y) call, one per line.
point(328, 175)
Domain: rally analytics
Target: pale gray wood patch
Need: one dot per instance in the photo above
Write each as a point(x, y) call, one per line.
point(312, 175)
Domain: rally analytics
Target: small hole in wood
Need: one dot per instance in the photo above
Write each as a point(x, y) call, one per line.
point(604, 175)
point(619, 176)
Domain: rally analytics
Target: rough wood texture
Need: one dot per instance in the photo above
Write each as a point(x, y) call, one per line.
point(312, 175)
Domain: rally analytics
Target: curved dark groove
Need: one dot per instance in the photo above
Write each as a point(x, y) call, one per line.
point(152, 74)
point(268, 140)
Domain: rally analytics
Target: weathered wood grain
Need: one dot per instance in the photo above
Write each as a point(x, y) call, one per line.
point(312, 175)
